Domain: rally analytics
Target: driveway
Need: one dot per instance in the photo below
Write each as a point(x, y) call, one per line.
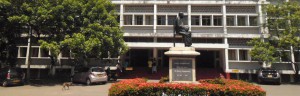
point(282, 90)
point(56, 90)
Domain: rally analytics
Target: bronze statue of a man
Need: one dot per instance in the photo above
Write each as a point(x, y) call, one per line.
point(182, 30)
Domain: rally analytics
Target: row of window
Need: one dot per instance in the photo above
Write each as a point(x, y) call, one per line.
point(38, 52)
point(205, 20)
point(243, 55)
point(168, 40)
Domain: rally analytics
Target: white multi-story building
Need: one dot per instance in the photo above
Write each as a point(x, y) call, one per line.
point(220, 30)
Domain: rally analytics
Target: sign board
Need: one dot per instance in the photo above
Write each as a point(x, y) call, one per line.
point(182, 70)
point(235, 70)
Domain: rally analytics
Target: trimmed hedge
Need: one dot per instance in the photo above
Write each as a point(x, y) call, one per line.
point(212, 87)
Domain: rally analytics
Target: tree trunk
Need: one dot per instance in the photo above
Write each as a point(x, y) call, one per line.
point(28, 57)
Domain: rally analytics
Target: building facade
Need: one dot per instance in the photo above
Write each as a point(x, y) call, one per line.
point(220, 31)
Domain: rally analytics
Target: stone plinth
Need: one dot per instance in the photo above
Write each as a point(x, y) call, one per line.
point(182, 64)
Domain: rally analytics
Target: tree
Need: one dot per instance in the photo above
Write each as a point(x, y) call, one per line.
point(263, 52)
point(58, 24)
point(9, 31)
point(283, 20)
point(90, 29)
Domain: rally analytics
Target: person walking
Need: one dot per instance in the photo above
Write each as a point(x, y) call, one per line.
point(150, 65)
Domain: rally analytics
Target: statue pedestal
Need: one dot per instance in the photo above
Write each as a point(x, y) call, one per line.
point(182, 67)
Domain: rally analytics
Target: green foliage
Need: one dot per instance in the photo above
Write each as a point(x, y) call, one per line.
point(53, 47)
point(9, 31)
point(283, 22)
point(89, 28)
point(262, 51)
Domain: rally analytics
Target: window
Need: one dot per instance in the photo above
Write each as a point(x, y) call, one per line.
point(138, 20)
point(232, 55)
point(206, 20)
point(253, 21)
point(243, 54)
point(230, 20)
point(217, 21)
point(241, 20)
point(118, 18)
point(34, 52)
point(161, 20)
point(44, 53)
point(23, 51)
point(127, 20)
point(65, 53)
point(195, 20)
point(171, 20)
point(149, 20)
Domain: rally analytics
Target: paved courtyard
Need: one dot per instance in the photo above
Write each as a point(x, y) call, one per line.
point(55, 90)
point(282, 90)
point(102, 90)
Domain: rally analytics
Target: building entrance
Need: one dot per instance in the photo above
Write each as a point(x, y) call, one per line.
point(139, 57)
point(207, 59)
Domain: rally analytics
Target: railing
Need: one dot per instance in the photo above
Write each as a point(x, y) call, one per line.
point(243, 30)
point(138, 29)
point(207, 29)
point(35, 61)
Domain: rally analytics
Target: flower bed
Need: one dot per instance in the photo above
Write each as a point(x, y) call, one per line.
point(212, 87)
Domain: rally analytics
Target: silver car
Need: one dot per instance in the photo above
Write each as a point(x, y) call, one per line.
point(90, 75)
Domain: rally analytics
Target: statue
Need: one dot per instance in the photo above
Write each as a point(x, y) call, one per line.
point(182, 30)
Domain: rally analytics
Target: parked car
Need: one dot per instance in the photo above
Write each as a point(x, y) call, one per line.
point(11, 76)
point(90, 75)
point(268, 75)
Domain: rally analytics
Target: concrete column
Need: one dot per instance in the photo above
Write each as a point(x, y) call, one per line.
point(235, 21)
point(189, 17)
point(121, 15)
point(59, 59)
point(248, 55)
point(155, 54)
point(39, 54)
point(200, 20)
point(224, 19)
point(19, 51)
point(133, 19)
point(212, 20)
point(144, 19)
point(238, 54)
point(226, 64)
point(155, 18)
point(166, 19)
point(247, 21)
